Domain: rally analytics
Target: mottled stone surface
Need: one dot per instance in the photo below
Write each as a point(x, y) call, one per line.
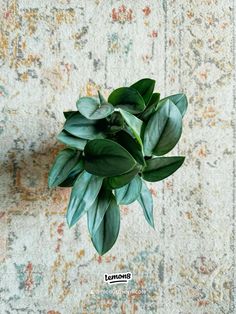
point(51, 52)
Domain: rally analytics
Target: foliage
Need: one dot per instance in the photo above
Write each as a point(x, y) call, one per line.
point(112, 147)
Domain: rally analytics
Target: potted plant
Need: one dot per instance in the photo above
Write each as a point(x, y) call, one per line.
point(112, 147)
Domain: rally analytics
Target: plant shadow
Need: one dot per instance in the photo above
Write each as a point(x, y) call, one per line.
point(24, 178)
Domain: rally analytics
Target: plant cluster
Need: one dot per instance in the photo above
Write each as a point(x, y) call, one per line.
point(112, 147)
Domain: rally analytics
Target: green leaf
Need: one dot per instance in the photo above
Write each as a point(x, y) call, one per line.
point(145, 88)
point(108, 230)
point(127, 98)
point(131, 145)
point(63, 164)
point(180, 100)
point(83, 194)
point(73, 174)
point(134, 124)
point(84, 128)
point(130, 192)
point(163, 130)
point(69, 181)
point(146, 201)
point(115, 123)
point(161, 167)
point(91, 108)
point(117, 182)
point(70, 140)
point(67, 114)
point(102, 100)
point(97, 211)
point(152, 106)
point(107, 158)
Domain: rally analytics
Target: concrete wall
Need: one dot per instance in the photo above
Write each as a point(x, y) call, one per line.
point(51, 52)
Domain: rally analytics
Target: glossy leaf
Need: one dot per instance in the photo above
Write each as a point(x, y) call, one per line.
point(97, 211)
point(145, 88)
point(127, 98)
point(134, 124)
point(115, 123)
point(102, 100)
point(107, 232)
point(83, 195)
point(131, 145)
point(180, 100)
point(91, 108)
point(160, 168)
point(163, 130)
point(130, 192)
point(151, 108)
point(84, 128)
point(107, 158)
point(121, 180)
point(63, 164)
point(146, 202)
point(73, 174)
point(70, 140)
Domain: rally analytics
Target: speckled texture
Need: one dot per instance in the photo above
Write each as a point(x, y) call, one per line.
point(51, 52)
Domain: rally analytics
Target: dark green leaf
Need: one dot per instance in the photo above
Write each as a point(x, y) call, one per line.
point(91, 108)
point(161, 167)
point(134, 124)
point(107, 158)
point(97, 211)
point(67, 114)
point(83, 194)
point(127, 98)
point(84, 128)
point(69, 181)
point(130, 192)
point(152, 106)
point(131, 145)
point(117, 182)
point(180, 100)
point(64, 163)
point(115, 123)
point(163, 130)
point(72, 176)
point(108, 230)
point(146, 201)
point(70, 140)
point(145, 88)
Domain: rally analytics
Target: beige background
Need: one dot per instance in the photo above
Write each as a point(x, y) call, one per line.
point(51, 52)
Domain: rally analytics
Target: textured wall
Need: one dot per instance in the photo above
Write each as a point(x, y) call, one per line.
point(51, 52)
